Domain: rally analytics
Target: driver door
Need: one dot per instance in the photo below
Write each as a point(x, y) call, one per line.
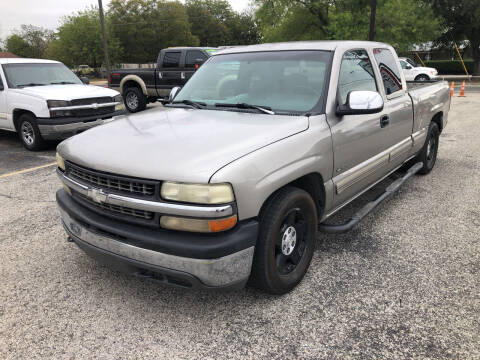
point(359, 141)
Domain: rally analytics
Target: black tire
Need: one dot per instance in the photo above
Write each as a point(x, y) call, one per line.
point(288, 227)
point(134, 99)
point(422, 77)
point(29, 133)
point(428, 154)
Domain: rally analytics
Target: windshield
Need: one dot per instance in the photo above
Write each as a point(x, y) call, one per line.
point(285, 81)
point(30, 74)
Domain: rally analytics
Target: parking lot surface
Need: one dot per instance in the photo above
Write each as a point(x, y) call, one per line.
point(404, 284)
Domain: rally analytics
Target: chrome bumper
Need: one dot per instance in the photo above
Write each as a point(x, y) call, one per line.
point(220, 272)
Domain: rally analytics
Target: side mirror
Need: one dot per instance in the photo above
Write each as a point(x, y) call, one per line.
point(173, 93)
point(85, 80)
point(361, 102)
point(409, 67)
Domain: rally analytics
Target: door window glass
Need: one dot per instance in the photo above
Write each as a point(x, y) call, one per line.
point(194, 57)
point(356, 73)
point(404, 64)
point(171, 59)
point(389, 70)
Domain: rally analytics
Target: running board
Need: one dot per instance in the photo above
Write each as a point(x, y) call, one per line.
point(372, 205)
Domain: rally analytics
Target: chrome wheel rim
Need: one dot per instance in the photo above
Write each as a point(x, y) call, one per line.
point(131, 100)
point(28, 135)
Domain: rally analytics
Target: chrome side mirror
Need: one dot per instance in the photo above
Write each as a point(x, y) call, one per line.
point(173, 93)
point(361, 102)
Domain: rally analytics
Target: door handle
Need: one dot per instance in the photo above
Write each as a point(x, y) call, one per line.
point(384, 121)
point(182, 75)
point(160, 75)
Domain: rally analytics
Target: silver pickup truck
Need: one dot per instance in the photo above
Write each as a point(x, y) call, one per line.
point(231, 181)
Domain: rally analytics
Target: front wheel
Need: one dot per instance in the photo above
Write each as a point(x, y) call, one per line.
point(134, 99)
point(428, 154)
point(29, 133)
point(288, 227)
point(422, 78)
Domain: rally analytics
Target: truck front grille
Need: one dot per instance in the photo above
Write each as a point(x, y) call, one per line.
point(92, 112)
point(89, 101)
point(120, 184)
point(142, 214)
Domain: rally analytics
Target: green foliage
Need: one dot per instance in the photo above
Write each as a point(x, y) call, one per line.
point(215, 23)
point(30, 41)
point(462, 22)
point(146, 26)
point(79, 40)
point(399, 22)
point(449, 67)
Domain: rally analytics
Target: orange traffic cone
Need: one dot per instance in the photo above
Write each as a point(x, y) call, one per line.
point(462, 90)
point(452, 87)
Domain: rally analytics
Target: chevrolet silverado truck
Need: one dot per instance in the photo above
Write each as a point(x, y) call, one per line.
point(173, 68)
point(44, 100)
point(220, 188)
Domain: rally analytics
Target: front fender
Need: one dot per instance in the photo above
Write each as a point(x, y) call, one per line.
point(259, 174)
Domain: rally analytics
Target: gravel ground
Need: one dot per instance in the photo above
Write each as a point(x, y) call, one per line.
point(404, 284)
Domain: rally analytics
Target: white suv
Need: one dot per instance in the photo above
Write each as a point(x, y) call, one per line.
point(44, 100)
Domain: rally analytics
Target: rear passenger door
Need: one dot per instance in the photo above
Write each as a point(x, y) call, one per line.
point(170, 72)
point(193, 60)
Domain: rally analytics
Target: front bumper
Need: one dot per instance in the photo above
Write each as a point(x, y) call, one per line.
point(62, 128)
point(181, 259)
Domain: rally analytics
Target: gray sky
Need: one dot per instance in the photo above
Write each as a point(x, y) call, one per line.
point(48, 13)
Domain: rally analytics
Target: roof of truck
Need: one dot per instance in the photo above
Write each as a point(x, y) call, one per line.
point(25, 61)
point(328, 45)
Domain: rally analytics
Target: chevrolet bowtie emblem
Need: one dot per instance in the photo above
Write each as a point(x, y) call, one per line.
point(97, 195)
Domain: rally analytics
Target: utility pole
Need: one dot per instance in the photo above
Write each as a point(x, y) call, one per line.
point(373, 10)
point(105, 47)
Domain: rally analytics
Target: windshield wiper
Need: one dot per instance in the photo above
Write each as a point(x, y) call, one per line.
point(30, 84)
point(264, 109)
point(195, 104)
point(61, 83)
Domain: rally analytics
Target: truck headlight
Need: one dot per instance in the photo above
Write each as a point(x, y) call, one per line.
point(60, 162)
point(198, 225)
point(56, 104)
point(197, 193)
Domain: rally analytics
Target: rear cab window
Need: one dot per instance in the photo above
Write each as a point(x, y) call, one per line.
point(389, 71)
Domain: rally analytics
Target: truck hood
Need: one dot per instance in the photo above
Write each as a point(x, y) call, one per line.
point(186, 145)
point(66, 92)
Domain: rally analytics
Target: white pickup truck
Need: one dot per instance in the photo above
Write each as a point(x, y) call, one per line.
point(44, 100)
point(413, 72)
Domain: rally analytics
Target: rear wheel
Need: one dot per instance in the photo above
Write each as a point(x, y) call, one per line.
point(428, 154)
point(288, 227)
point(29, 133)
point(422, 77)
point(134, 99)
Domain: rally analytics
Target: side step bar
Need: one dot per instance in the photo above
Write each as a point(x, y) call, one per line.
point(369, 207)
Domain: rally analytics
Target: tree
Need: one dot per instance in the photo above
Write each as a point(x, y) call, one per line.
point(401, 23)
point(79, 40)
point(146, 26)
point(462, 22)
point(30, 41)
point(215, 23)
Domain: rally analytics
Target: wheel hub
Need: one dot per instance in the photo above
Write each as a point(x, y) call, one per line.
point(132, 101)
point(289, 240)
point(27, 133)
